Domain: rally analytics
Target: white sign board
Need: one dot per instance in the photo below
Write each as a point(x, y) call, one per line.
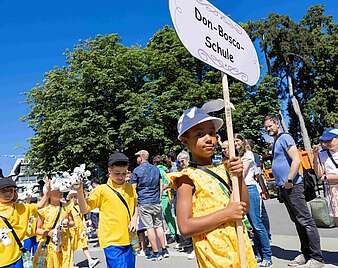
point(215, 39)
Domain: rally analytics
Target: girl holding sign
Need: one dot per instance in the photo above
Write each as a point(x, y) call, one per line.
point(205, 210)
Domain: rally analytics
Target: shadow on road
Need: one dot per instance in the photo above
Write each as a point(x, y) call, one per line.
point(330, 257)
point(82, 264)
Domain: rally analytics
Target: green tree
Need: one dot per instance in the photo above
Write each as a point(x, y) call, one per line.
point(112, 97)
point(302, 55)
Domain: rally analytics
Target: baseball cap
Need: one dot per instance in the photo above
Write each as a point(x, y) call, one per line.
point(143, 152)
point(194, 116)
point(117, 157)
point(329, 134)
point(7, 182)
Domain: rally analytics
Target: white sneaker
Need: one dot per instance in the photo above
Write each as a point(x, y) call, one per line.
point(191, 255)
point(93, 262)
point(299, 260)
point(312, 263)
point(141, 253)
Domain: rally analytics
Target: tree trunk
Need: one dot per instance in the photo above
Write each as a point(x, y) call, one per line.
point(282, 122)
point(296, 108)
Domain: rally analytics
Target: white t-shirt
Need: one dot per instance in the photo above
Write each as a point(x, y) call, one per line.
point(329, 166)
point(249, 159)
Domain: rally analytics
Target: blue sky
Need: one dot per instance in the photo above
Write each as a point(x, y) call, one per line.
point(34, 35)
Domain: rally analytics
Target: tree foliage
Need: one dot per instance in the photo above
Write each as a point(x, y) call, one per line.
point(308, 51)
point(111, 97)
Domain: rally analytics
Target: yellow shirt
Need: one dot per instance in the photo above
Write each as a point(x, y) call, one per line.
point(50, 212)
point(114, 218)
point(18, 216)
point(218, 247)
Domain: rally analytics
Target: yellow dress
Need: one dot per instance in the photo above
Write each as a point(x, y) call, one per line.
point(219, 247)
point(21, 217)
point(78, 232)
point(62, 258)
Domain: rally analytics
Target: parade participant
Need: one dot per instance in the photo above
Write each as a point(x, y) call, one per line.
point(146, 179)
point(205, 210)
point(166, 201)
point(14, 223)
point(94, 216)
point(326, 167)
point(54, 223)
point(116, 201)
point(285, 167)
point(79, 232)
point(261, 240)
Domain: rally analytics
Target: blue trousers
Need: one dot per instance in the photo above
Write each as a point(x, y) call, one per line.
point(31, 245)
point(261, 238)
point(119, 257)
point(17, 264)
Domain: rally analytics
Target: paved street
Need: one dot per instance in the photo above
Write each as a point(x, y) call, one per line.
point(285, 244)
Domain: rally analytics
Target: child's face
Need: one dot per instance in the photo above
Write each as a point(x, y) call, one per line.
point(118, 174)
point(7, 194)
point(201, 140)
point(55, 195)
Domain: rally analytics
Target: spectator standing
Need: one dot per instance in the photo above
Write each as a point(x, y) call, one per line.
point(262, 246)
point(166, 201)
point(171, 161)
point(285, 166)
point(186, 244)
point(326, 167)
point(146, 179)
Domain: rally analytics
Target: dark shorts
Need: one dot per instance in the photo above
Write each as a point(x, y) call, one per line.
point(94, 217)
point(151, 216)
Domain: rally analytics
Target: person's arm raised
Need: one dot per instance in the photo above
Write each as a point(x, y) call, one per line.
point(81, 200)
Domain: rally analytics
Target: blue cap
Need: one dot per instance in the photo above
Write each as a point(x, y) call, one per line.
point(194, 116)
point(329, 134)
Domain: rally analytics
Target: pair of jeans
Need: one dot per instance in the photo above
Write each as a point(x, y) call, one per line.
point(261, 240)
point(265, 219)
point(295, 203)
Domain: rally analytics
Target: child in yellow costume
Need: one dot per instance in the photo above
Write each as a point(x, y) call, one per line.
point(18, 216)
point(79, 232)
point(204, 207)
point(57, 256)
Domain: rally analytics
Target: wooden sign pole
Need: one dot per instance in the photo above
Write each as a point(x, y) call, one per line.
point(234, 179)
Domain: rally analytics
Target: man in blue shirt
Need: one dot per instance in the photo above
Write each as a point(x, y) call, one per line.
point(146, 179)
point(285, 166)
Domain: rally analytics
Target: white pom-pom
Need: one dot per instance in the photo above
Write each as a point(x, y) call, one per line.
point(87, 173)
